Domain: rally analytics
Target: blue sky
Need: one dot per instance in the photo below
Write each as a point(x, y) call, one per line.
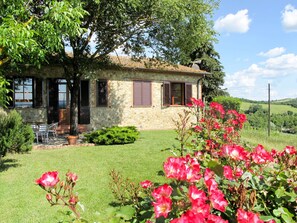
point(257, 43)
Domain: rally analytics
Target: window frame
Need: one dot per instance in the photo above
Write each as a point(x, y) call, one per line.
point(185, 92)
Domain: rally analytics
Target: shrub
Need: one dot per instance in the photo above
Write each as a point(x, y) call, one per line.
point(113, 135)
point(228, 103)
point(15, 136)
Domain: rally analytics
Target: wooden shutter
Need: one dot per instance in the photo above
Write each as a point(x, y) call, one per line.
point(166, 94)
point(10, 93)
point(84, 93)
point(38, 92)
point(137, 93)
point(188, 93)
point(146, 93)
point(102, 93)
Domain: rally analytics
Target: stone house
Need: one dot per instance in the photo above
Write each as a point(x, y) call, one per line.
point(145, 95)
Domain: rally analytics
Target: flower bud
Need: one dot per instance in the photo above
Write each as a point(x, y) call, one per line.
point(49, 197)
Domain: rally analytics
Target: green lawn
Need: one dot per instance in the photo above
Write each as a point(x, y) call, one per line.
point(276, 140)
point(275, 108)
point(22, 201)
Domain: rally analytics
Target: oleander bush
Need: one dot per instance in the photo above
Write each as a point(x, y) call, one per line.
point(113, 135)
point(15, 135)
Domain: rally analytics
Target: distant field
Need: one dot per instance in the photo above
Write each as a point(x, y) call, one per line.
point(276, 140)
point(274, 107)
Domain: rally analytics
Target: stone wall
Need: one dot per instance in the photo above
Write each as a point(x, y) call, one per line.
point(120, 110)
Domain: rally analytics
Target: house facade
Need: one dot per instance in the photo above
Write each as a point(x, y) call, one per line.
point(132, 93)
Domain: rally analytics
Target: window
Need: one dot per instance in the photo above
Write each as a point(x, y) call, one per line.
point(142, 95)
point(102, 92)
point(23, 92)
point(176, 93)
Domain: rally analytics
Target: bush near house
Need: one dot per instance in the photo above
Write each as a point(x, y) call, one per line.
point(15, 136)
point(229, 103)
point(113, 135)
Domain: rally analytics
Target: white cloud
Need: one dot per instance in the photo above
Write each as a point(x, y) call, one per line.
point(252, 82)
point(233, 23)
point(289, 18)
point(273, 52)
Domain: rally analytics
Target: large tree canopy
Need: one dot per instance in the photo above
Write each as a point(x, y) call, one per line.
point(209, 60)
point(30, 30)
point(165, 29)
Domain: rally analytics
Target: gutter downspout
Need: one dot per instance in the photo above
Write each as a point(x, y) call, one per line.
point(198, 95)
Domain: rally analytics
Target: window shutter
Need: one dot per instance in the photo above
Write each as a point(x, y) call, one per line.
point(146, 93)
point(10, 93)
point(38, 93)
point(188, 93)
point(136, 93)
point(166, 94)
point(84, 93)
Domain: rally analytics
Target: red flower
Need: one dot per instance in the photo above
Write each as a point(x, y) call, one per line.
point(235, 152)
point(215, 219)
point(218, 200)
point(146, 184)
point(71, 177)
point(260, 155)
point(247, 217)
point(49, 179)
point(189, 217)
point(162, 191)
point(228, 172)
point(196, 194)
point(162, 207)
point(290, 150)
point(73, 200)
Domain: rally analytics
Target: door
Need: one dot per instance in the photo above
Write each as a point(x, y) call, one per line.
point(59, 102)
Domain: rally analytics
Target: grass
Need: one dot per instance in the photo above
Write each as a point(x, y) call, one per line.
point(276, 140)
point(22, 201)
point(275, 108)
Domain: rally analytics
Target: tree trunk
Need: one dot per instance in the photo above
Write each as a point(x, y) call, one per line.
point(74, 93)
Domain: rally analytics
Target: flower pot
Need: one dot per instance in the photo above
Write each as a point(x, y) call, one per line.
point(72, 140)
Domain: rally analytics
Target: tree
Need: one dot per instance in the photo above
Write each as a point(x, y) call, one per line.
point(208, 60)
point(31, 30)
point(168, 30)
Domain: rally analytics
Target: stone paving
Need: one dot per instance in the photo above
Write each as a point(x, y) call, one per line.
point(59, 142)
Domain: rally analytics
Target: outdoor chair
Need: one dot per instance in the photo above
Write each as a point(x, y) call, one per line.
point(52, 129)
point(35, 129)
point(43, 132)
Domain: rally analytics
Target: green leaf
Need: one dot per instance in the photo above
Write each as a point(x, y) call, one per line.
point(280, 192)
point(216, 167)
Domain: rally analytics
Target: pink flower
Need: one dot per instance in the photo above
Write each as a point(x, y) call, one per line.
point(260, 155)
point(73, 200)
point(146, 184)
point(71, 177)
point(196, 102)
point(215, 219)
point(247, 217)
point(235, 152)
point(49, 179)
point(198, 128)
point(228, 172)
point(162, 207)
point(162, 191)
point(197, 195)
point(218, 200)
point(290, 150)
point(189, 217)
